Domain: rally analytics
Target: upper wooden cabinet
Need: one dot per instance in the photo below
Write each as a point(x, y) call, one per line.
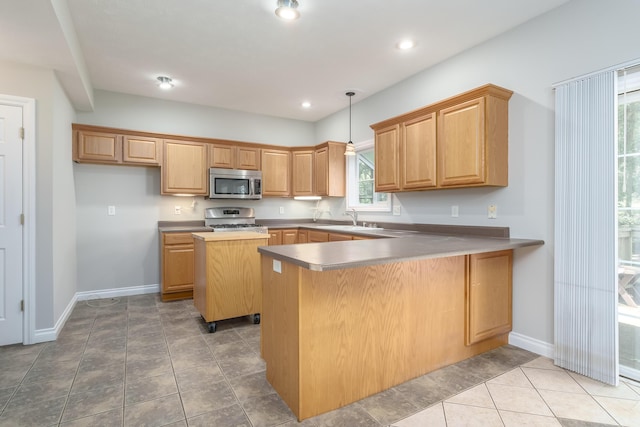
point(329, 169)
point(234, 157)
point(387, 158)
point(276, 172)
point(418, 153)
point(302, 172)
point(319, 170)
point(141, 150)
point(184, 167)
point(97, 146)
point(459, 142)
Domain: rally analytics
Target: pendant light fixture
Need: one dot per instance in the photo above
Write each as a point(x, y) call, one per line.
point(349, 149)
point(288, 9)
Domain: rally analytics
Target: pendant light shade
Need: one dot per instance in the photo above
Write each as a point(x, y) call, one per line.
point(349, 149)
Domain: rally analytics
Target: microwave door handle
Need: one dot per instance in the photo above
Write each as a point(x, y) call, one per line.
point(252, 190)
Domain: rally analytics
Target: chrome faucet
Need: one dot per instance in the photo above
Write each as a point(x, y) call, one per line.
point(354, 216)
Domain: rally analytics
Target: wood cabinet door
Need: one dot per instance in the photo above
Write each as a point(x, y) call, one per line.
point(98, 147)
point(337, 237)
point(141, 150)
point(321, 171)
point(461, 144)
point(276, 173)
point(275, 237)
point(303, 236)
point(289, 237)
point(248, 158)
point(184, 167)
point(488, 302)
point(318, 236)
point(302, 173)
point(222, 156)
point(387, 156)
point(418, 153)
point(177, 268)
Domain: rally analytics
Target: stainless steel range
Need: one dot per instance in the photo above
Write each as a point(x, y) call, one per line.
point(232, 219)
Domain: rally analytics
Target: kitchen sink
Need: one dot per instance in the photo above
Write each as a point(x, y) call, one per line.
point(347, 227)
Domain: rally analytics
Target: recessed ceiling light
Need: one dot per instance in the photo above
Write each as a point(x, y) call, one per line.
point(306, 104)
point(165, 82)
point(288, 9)
point(406, 44)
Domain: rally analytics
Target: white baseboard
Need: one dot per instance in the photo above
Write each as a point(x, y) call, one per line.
point(531, 344)
point(118, 292)
point(50, 334)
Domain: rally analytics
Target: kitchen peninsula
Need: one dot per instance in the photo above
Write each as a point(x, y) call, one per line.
point(345, 320)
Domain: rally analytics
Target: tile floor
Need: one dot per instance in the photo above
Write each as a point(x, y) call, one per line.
point(139, 362)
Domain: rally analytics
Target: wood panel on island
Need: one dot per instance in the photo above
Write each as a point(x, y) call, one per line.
point(458, 142)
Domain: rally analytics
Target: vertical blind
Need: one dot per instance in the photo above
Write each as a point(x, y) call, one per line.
point(585, 262)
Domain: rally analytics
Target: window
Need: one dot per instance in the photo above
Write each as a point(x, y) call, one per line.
point(360, 181)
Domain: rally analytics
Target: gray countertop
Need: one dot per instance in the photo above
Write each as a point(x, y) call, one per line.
point(359, 253)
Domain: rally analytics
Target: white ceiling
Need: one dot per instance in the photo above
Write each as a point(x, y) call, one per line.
point(237, 54)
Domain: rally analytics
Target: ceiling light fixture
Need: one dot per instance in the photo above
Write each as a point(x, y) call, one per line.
point(306, 104)
point(165, 83)
point(287, 9)
point(405, 44)
point(349, 149)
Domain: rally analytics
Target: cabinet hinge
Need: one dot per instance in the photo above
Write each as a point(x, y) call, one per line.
point(22, 305)
point(21, 219)
point(21, 133)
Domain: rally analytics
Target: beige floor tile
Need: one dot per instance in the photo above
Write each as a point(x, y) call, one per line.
point(542, 363)
point(546, 379)
point(517, 419)
point(515, 378)
point(432, 417)
point(470, 416)
point(518, 399)
point(597, 388)
point(475, 396)
point(575, 406)
point(626, 412)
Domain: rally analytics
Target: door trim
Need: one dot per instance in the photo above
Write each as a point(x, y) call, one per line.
point(28, 106)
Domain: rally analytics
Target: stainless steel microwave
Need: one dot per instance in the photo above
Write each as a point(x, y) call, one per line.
point(235, 184)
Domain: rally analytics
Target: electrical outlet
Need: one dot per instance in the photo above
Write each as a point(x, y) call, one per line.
point(492, 212)
point(454, 211)
point(396, 209)
point(281, 209)
point(111, 210)
point(177, 210)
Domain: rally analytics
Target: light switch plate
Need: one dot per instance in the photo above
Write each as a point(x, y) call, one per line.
point(397, 209)
point(111, 210)
point(277, 266)
point(492, 212)
point(177, 210)
point(455, 212)
point(281, 209)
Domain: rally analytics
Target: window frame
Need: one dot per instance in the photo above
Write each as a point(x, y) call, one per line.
point(352, 199)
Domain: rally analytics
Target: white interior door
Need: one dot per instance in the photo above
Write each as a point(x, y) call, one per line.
point(11, 283)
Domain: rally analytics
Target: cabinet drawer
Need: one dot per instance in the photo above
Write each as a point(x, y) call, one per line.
point(178, 238)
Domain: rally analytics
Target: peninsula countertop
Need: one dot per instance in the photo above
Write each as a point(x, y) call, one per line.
point(359, 253)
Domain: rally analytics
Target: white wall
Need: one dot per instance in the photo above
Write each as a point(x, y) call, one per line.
point(53, 119)
point(63, 204)
point(578, 38)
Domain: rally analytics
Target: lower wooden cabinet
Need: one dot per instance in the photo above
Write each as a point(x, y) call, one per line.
point(176, 261)
point(303, 236)
point(283, 236)
point(488, 290)
point(318, 236)
point(337, 237)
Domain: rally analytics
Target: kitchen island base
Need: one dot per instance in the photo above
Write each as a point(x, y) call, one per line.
point(227, 276)
point(330, 338)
